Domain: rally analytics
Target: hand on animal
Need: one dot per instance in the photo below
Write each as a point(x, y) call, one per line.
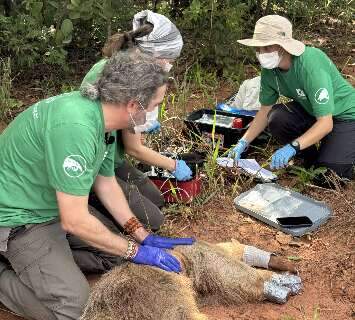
point(282, 156)
point(240, 147)
point(154, 128)
point(182, 172)
point(157, 257)
point(166, 243)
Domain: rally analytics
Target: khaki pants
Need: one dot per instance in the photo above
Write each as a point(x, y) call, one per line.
point(45, 280)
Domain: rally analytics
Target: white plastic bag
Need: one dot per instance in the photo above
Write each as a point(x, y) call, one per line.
point(247, 97)
point(164, 42)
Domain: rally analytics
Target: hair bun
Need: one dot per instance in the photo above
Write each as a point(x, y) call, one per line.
point(90, 91)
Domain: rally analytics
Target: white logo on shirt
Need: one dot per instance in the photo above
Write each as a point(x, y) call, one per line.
point(35, 112)
point(49, 100)
point(105, 155)
point(322, 96)
point(74, 166)
point(300, 93)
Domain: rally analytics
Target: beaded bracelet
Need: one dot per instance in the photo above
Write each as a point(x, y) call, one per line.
point(132, 225)
point(131, 251)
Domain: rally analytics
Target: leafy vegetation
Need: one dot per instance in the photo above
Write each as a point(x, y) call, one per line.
point(216, 26)
point(50, 32)
point(44, 31)
point(7, 103)
point(307, 176)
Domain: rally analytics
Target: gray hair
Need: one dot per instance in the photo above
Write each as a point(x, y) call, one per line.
point(127, 75)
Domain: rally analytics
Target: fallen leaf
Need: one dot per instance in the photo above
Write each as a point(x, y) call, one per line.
point(294, 258)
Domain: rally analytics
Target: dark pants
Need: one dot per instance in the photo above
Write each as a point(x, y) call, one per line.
point(337, 150)
point(144, 198)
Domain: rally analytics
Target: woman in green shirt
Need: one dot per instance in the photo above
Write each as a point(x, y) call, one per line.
point(156, 35)
point(322, 107)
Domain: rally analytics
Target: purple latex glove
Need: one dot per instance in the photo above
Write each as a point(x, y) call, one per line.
point(182, 172)
point(282, 156)
point(166, 243)
point(157, 257)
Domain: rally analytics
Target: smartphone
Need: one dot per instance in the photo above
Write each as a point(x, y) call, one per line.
point(295, 222)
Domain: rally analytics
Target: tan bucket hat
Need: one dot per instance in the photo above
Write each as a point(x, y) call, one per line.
point(274, 29)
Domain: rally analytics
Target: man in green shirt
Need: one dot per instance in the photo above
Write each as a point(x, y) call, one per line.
point(52, 154)
point(323, 106)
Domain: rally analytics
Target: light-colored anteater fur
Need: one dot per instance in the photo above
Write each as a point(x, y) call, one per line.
point(137, 292)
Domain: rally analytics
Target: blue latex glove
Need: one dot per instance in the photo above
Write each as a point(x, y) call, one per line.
point(182, 171)
point(282, 156)
point(154, 128)
point(158, 258)
point(166, 243)
point(240, 147)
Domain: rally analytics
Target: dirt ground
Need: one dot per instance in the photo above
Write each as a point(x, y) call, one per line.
point(325, 259)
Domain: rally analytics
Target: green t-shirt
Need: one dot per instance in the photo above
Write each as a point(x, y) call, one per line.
point(91, 77)
point(313, 81)
point(56, 144)
point(94, 72)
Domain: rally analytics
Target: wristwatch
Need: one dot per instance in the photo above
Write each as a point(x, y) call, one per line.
point(296, 145)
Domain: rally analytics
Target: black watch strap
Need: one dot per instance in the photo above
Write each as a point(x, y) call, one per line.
point(296, 145)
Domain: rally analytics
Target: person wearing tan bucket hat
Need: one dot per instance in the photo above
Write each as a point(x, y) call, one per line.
point(322, 107)
point(274, 29)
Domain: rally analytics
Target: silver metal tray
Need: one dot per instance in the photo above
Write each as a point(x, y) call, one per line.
point(269, 201)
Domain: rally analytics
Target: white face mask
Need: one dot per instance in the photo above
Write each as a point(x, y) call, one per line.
point(167, 67)
point(138, 119)
point(269, 60)
point(151, 117)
